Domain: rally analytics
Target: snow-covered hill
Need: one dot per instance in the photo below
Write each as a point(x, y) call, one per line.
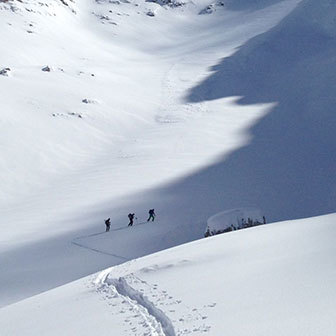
point(276, 279)
point(190, 107)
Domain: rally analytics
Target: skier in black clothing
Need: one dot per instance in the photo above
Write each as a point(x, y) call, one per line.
point(108, 224)
point(151, 215)
point(131, 218)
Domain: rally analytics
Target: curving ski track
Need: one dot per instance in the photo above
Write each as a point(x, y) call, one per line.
point(155, 319)
point(158, 323)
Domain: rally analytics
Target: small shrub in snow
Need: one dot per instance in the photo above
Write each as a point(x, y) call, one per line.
point(234, 219)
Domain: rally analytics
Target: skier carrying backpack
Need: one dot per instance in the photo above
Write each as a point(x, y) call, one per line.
point(151, 215)
point(108, 224)
point(131, 218)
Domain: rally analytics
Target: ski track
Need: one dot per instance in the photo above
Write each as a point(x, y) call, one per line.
point(75, 242)
point(154, 320)
point(99, 251)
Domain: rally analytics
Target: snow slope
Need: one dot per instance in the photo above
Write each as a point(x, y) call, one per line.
point(291, 155)
point(108, 130)
point(134, 115)
point(276, 279)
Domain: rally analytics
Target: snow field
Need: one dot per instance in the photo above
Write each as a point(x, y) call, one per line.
point(190, 114)
point(267, 279)
point(68, 164)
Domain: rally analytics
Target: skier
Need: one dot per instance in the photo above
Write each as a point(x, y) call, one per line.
point(108, 224)
point(264, 219)
point(131, 218)
point(151, 215)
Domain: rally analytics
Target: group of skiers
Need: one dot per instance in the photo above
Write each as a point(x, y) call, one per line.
point(131, 217)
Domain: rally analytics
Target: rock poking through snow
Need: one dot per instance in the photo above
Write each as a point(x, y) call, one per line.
point(89, 101)
point(150, 13)
point(46, 69)
point(5, 72)
point(169, 3)
point(211, 8)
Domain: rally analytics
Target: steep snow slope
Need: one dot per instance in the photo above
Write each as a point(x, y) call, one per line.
point(291, 155)
point(276, 279)
point(108, 125)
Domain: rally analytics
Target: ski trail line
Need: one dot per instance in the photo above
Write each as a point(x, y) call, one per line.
point(74, 242)
point(96, 250)
point(156, 320)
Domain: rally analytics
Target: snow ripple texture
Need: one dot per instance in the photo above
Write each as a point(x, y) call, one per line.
point(155, 319)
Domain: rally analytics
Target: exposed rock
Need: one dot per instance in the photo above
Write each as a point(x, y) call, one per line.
point(211, 8)
point(89, 101)
point(5, 72)
point(46, 69)
point(169, 3)
point(67, 115)
point(150, 13)
point(207, 10)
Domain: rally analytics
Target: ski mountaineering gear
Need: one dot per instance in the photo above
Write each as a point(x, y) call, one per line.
point(131, 218)
point(151, 215)
point(108, 224)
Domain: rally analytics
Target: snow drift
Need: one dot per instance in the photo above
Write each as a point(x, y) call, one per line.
point(233, 219)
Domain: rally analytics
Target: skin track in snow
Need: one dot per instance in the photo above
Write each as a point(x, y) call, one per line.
point(154, 318)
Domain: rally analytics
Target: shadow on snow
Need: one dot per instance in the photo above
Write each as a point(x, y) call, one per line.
point(288, 169)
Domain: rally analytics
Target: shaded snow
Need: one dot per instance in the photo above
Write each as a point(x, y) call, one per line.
point(170, 131)
point(68, 165)
point(274, 279)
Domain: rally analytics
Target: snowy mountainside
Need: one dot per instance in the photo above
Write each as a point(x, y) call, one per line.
point(123, 122)
point(274, 279)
